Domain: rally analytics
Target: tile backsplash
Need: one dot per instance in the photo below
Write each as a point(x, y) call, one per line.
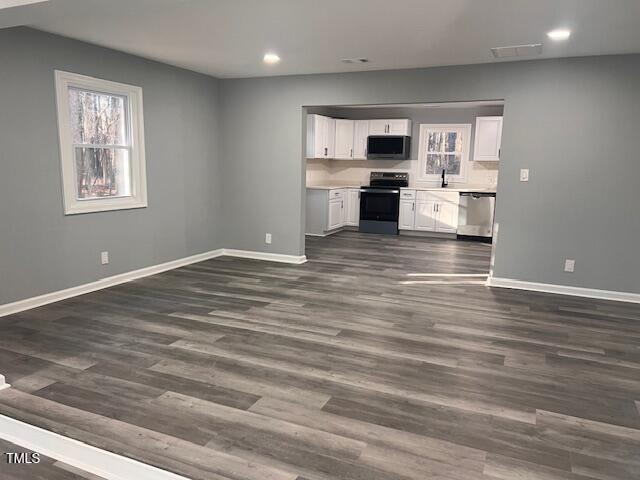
point(321, 171)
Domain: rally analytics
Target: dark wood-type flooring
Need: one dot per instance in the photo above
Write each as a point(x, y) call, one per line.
point(356, 365)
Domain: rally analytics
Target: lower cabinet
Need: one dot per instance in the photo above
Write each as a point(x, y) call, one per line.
point(407, 214)
point(336, 214)
point(429, 211)
point(330, 210)
point(426, 211)
point(447, 216)
point(353, 207)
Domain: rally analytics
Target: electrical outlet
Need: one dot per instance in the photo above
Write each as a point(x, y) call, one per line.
point(524, 175)
point(104, 258)
point(569, 265)
point(267, 239)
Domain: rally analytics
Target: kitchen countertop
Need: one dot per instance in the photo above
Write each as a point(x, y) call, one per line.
point(332, 186)
point(480, 189)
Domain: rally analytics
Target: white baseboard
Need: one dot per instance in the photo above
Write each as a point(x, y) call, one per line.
point(564, 290)
point(80, 455)
point(3, 383)
point(29, 303)
point(271, 257)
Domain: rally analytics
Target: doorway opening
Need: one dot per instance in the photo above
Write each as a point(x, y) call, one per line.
point(405, 187)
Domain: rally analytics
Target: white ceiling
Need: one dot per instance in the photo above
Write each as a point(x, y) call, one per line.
point(228, 38)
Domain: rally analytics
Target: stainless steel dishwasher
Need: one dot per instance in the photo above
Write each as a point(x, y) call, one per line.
point(475, 217)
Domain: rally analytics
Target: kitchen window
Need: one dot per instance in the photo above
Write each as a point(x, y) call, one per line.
point(101, 144)
point(444, 147)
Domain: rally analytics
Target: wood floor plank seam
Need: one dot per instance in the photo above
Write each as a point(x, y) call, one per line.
point(338, 369)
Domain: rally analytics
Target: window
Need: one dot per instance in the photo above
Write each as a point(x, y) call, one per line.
point(444, 147)
point(101, 144)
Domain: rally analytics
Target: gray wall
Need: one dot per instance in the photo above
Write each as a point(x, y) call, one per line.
point(41, 249)
point(572, 122)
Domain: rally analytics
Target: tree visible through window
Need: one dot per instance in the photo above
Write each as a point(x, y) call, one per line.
point(101, 147)
point(444, 152)
point(101, 144)
point(443, 148)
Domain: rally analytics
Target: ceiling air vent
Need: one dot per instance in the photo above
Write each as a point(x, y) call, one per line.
point(354, 60)
point(517, 50)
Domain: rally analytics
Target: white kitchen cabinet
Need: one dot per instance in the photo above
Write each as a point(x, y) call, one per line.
point(321, 132)
point(331, 137)
point(395, 126)
point(400, 126)
point(337, 209)
point(447, 217)
point(434, 212)
point(378, 127)
point(327, 211)
point(344, 139)
point(425, 215)
point(488, 139)
point(336, 214)
point(353, 207)
point(407, 217)
point(360, 135)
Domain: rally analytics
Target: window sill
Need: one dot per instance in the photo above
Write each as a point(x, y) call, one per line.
point(78, 209)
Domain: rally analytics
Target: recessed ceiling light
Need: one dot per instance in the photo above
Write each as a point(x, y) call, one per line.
point(559, 34)
point(271, 58)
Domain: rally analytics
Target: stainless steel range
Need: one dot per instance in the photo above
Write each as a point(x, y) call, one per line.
point(380, 202)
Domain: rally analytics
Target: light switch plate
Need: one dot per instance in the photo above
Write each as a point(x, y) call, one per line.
point(524, 175)
point(569, 265)
point(104, 258)
point(267, 239)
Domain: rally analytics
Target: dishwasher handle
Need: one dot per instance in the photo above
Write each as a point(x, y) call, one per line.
point(477, 194)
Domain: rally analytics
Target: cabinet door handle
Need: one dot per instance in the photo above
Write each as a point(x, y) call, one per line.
point(351, 153)
point(413, 207)
point(326, 151)
point(341, 204)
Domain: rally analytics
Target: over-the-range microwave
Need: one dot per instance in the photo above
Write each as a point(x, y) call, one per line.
point(389, 147)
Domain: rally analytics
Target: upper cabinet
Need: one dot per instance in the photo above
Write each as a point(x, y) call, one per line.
point(488, 139)
point(344, 139)
point(361, 132)
point(395, 126)
point(321, 133)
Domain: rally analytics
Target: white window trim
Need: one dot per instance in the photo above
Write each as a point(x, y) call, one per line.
point(138, 198)
point(465, 128)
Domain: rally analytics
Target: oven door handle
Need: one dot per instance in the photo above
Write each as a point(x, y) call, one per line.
point(378, 190)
